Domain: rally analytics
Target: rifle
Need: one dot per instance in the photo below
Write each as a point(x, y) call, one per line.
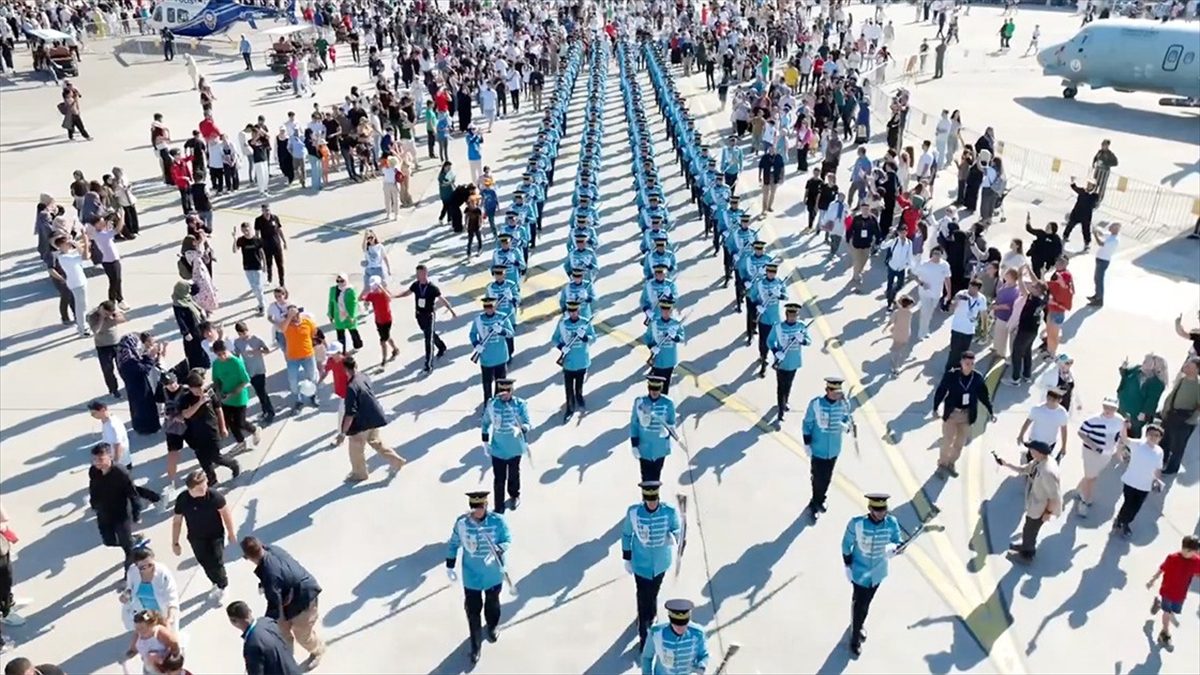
point(730, 651)
point(497, 327)
point(656, 349)
point(567, 347)
point(789, 345)
point(682, 501)
point(487, 538)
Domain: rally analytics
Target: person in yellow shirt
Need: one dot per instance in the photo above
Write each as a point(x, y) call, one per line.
point(791, 75)
point(298, 331)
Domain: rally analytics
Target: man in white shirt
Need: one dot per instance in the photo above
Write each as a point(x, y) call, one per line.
point(942, 134)
point(1047, 423)
point(1104, 256)
point(1143, 474)
point(898, 254)
point(112, 431)
point(1101, 434)
point(927, 164)
point(933, 281)
point(965, 310)
point(104, 237)
point(70, 257)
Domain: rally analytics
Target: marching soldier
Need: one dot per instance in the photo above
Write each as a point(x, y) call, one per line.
point(584, 187)
point(661, 255)
point(508, 298)
point(663, 336)
point(655, 232)
point(505, 423)
point(732, 158)
point(651, 428)
point(512, 259)
point(526, 218)
point(727, 219)
point(766, 295)
point(489, 338)
point(869, 542)
point(582, 257)
point(737, 240)
point(652, 210)
point(785, 342)
point(751, 267)
point(580, 291)
point(484, 540)
point(656, 289)
point(573, 337)
point(826, 420)
point(714, 200)
point(585, 210)
point(676, 647)
point(586, 225)
point(649, 536)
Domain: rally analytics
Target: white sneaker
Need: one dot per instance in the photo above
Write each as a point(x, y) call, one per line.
point(13, 619)
point(217, 595)
point(168, 500)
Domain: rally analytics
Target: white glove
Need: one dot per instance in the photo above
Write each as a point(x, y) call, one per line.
point(890, 550)
point(849, 577)
point(580, 333)
point(672, 332)
point(453, 575)
point(628, 567)
point(634, 451)
point(489, 560)
point(487, 452)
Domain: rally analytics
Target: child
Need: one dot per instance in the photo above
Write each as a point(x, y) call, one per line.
point(381, 307)
point(900, 322)
point(209, 334)
point(341, 380)
point(1177, 572)
point(319, 352)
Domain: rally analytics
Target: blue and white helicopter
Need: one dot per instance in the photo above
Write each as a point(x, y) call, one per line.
point(203, 18)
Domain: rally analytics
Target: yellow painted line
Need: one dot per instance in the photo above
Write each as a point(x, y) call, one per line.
point(990, 626)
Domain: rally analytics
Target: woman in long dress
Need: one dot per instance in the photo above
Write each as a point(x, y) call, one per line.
point(137, 363)
point(189, 316)
point(193, 70)
point(202, 282)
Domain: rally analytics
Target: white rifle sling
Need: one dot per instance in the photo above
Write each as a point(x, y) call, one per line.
point(667, 657)
point(468, 543)
point(642, 535)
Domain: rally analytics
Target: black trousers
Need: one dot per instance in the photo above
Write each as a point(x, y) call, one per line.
point(647, 602)
point(1029, 534)
point(118, 534)
point(751, 318)
point(185, 198)
point(210, 554)
point(66, 300)
point(273, 254)
point(208, 455)
point(959, 343)
point(651, 469)
point(486, 602)
point(216, 177)
point(131, 220)
point(164, 156)
point(895, 281)
point(506, 479)
point(763, 332)
point(822, 474)
point(235, 421)
point(783, 387)
point(573, 382)
point(259, 382)
point(1134, 498)
point(107, 355)
point(430, 338)
point(490, 375)
point(1176, 433)
point(860, 604)
point(355, 338)
point(246, 58)
point(6, 585)
point(76, 124)
point(112, 270)
point(664, 373)
point(1022, 354)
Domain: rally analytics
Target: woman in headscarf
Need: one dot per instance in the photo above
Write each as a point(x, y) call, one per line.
point(343, 310)
point(199, 257)
point(1139, 391)
point(137, 362)
point(189, 317)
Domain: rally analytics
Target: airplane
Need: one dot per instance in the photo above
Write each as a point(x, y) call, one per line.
point(1130, 55)
point(203, 18)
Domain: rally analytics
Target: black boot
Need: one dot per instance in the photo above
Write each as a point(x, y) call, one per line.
point(492, 634)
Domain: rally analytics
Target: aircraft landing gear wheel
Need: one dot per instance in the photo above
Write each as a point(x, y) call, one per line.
point(1069, 92)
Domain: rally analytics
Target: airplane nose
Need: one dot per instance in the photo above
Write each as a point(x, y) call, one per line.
point(1050, 56)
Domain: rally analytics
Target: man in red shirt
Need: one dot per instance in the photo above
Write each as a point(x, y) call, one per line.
point(181, 174)
point(1177, 572)
point(341, 379)
point(441, 101)
point(381, 306)
point(208, 128)
point(1062, 292)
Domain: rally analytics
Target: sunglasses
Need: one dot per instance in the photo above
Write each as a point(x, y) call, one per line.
point(341, 281)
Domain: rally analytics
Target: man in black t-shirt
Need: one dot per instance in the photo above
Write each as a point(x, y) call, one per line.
point(209, 526)
point(1028, 321)
point(274, 240)
point(251, 248)
point(427, 294)
point(205, 427)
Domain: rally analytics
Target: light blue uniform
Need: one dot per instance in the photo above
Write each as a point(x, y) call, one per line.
point(653, 258)
point(508, 297)
point(665, 336)
point(480, 569)
point(490, 332)
point(585, 260)
point(580, 334)
point(648, 427)
point(739, 239)
point(865, 543)
point(512, 260)
point(504, 427)
point(647, 215)
point(825, 423)
point(655, 290)
point(768, 294)
point(786, 340)
point(752, 267)
point(650, 537)
point(668, 653)
point(581, 292)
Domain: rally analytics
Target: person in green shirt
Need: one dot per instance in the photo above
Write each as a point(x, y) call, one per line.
point(232, 385)
point(430, 127)
point(322, 46)
point(1139, 391)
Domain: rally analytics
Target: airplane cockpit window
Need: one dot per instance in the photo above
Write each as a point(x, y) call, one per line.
point(183, 16)
point(1171, 59)
point(171, 15)
point(158, 14)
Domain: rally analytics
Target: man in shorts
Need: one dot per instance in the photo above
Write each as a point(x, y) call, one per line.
point(1101, 435)
point(1177, 572)
point(381, 307)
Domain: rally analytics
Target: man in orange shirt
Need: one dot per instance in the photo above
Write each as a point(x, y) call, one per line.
point(298, 331)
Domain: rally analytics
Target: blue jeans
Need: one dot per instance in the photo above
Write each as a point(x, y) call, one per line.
point(1098, 278)
point(296, 367)
point(895, 280)
point(314, 171)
